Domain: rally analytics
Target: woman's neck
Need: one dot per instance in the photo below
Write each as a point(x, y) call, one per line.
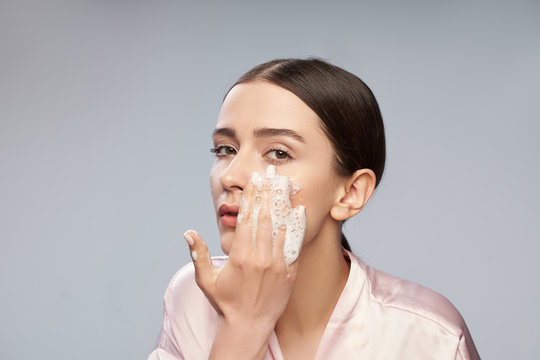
point(322, 275)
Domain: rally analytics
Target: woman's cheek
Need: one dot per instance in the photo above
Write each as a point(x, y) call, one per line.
point(215, 183)
point(318, 201)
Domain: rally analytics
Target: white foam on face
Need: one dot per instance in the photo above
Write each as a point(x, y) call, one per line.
point(281, 210)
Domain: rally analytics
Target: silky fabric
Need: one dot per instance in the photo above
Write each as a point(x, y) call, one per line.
point(377, 316)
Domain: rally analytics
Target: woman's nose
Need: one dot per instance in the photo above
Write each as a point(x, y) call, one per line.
point(238, 172)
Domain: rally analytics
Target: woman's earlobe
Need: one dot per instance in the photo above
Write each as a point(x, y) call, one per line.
point(358, 189)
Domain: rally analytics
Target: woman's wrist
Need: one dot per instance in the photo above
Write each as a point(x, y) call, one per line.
point(241, 339)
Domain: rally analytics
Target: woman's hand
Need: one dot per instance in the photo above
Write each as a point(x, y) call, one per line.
point(252, 289)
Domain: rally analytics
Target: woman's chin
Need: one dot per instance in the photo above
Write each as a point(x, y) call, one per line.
point(226, 242)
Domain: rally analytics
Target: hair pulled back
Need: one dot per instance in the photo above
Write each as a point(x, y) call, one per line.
point(349, 113)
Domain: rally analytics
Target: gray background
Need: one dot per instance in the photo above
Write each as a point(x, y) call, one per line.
point(106, 112)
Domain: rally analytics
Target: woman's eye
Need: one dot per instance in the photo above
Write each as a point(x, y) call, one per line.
point(223, 150)
point(279, 155)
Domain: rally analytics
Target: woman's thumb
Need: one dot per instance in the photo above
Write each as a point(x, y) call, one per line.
point(204, 269)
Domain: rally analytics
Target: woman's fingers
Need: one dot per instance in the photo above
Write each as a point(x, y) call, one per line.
point(279, 244)
point(204, 269)
point(279, 241)
point(263, 242)
point(292, 271)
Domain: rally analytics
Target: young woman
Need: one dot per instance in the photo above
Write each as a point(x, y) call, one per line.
point(320, 126)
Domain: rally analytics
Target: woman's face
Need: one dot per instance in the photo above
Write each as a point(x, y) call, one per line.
point(262, 124)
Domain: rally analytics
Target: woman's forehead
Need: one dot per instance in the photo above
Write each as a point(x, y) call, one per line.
point(262, 105)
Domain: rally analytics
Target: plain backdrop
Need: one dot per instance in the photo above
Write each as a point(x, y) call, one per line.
point(106, 111)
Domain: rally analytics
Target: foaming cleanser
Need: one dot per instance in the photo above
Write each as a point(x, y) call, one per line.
point(282, 190)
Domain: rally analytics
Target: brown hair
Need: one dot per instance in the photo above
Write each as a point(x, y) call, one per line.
point(347, 108)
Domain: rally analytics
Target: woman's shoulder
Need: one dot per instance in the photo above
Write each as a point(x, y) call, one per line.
point(417, 320)
point(392, 292)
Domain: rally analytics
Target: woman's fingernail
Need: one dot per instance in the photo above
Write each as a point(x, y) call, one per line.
point(189, 238)
point(194, 255)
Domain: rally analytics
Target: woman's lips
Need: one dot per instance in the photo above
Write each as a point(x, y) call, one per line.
point(228, 214)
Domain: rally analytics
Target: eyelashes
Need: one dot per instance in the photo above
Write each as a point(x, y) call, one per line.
point(275, 154)
point(279, 155)
point(223, 150)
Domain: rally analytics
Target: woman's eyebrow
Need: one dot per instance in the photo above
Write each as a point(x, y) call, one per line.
point(269, 132)
point(225, 132)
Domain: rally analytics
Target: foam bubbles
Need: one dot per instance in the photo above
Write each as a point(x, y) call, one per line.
point(281, 210)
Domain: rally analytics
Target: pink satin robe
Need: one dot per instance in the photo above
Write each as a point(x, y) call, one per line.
point(377, 316)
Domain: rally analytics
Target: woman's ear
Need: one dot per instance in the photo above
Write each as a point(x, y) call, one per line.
point(355, 193)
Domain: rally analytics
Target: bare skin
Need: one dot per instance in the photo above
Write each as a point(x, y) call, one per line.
point(255, 293)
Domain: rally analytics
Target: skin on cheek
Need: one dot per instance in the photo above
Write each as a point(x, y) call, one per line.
point(214, 182)
point(318, 198)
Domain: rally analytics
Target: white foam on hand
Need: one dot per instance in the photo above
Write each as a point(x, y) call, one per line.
point(282, 212)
